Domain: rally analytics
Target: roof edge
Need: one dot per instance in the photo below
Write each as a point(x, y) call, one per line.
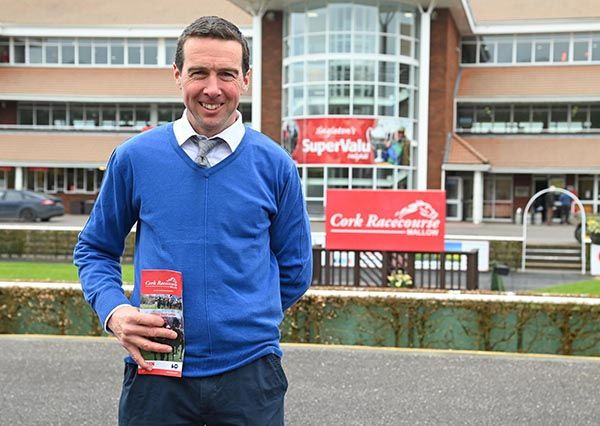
point(470, 148)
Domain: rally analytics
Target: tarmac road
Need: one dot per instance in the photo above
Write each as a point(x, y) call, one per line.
point(76, 381)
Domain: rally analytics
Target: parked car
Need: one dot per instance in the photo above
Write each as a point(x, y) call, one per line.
point(29, 205)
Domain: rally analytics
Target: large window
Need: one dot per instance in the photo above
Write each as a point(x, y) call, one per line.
point(84, 116)
point(542, 49)
point(497, 197)
point(528, 118)
point(63, 180)
point(350, 59)
point(88, 51)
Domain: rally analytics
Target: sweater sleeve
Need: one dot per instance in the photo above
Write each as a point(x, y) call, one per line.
point(291, 242)
point(101, 243)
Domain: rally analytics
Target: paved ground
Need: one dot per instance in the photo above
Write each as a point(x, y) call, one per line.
point(76, 381)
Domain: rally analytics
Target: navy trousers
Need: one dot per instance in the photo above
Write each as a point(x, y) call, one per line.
point(250, 395)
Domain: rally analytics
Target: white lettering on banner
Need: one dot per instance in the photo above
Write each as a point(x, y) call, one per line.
point(329, 131)
point(359, 149)
point(427, 224)
point(346, 222)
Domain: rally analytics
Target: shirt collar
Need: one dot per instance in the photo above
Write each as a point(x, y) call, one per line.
point(232, 135)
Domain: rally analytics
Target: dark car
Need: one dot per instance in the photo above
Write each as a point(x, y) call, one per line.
point(29, 205)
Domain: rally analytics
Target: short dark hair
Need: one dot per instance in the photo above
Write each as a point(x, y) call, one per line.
point(212, 27)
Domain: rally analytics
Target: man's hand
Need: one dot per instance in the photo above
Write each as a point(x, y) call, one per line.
point(133, 330)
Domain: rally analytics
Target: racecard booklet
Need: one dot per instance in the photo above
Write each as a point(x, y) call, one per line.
point(161, 294)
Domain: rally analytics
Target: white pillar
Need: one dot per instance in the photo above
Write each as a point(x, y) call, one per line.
point(423, 117)
point(18, 177)
point(256, 71)
point(154, 114)
point(477, 197)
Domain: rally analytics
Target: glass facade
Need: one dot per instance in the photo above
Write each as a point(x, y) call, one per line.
point(350, 63)
point(350, 59)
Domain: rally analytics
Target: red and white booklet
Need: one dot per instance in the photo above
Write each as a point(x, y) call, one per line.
point(161, 294)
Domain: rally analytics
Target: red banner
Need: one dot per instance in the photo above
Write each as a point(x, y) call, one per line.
point(411, 221)
point(332, 140)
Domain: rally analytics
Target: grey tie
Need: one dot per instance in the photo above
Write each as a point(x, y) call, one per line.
point(204, 147)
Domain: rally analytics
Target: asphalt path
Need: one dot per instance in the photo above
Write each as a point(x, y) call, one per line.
point(76, 381)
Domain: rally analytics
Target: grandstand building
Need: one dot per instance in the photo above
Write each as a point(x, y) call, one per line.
point(494, 100)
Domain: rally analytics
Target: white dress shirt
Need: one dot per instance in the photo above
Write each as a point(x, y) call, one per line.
point(232, 136)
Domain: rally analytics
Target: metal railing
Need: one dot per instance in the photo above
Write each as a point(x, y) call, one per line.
point(450, 270)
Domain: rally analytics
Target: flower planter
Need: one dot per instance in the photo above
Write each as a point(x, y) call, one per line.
point(595, 237)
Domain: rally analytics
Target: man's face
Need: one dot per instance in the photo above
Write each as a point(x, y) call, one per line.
point(211, 82)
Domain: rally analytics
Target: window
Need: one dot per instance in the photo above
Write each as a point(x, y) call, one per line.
point(468, 53)
point(67, 49)
point(524, 51)
point(536, 118)
point(561, 50)
point(364, 70)
point(100, 52)
point(150, 52)
point(486, 52)
point(316, 99)
point(19, 48)
point(505, 51)
point(596, 48)
point(387, 72)
point(542, 51)
point(4, 50)
point(581, 50)
point(35, 51)
point(51, 52)
point(170, 49)
point(315, 71)
point(117, 52)
point(339, 70)
point(85, 52)
point(542, 48)
point(465, 117)
point(134, 51)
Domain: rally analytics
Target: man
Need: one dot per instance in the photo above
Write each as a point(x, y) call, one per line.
point(232, 221)
point(394, 148)
point(565, 206)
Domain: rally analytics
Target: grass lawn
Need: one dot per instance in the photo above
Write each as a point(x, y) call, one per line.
point(580, 287)
point(50, 272)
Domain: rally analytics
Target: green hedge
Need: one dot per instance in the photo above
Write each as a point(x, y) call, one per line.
point(507, 252)
point(412, 322)
point(45, 244)
point(58, 245)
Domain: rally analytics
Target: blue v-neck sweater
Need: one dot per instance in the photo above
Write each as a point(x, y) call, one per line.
point(238, 232)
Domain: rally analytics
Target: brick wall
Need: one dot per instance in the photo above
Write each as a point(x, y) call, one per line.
point(272, 57)
point(444, 54)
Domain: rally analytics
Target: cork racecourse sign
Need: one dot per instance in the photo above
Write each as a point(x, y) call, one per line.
point(385, 220)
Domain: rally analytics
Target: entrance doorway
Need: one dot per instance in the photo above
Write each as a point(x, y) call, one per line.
point(454, 198)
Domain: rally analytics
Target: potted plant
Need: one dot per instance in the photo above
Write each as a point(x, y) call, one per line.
point(593, 228)
point(400, 280)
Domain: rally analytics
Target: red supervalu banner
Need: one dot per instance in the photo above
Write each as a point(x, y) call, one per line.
point(402, 220)
point(334, 141)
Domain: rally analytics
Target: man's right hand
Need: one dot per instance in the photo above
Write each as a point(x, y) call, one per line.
point(134, 330)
